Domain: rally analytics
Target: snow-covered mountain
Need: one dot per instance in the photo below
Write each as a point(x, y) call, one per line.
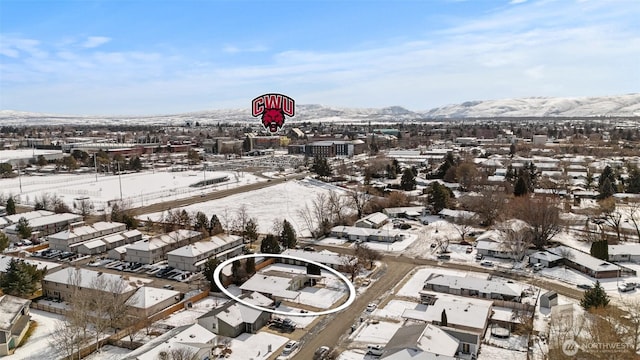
point(623, 105)
point(619, 106)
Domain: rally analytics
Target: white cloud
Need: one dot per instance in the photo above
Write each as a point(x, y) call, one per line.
point(231, 49)
point(95, 41)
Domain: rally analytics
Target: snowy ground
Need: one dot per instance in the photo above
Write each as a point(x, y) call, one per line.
point(38, 346)
point(278, 202)
point(356, 354)
point(255, 346)
point(494, 353)
point(301, 321)
point(143, 188)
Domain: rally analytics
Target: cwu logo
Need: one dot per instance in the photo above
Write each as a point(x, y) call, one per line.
point(272, 109)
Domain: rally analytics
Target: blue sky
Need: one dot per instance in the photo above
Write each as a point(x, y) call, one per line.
point(155, 57)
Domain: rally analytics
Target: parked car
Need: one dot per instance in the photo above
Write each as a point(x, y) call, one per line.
point(537, 267)
point(479, 257)
point(371, 307)
point(444, 257)
point(585, 286)
point(375, 350)
point(624, 287)
point(486, 263)
point(289, 348)
point(321, 353)
point(469, 250)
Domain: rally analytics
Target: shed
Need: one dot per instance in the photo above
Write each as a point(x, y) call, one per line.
point(549, 299)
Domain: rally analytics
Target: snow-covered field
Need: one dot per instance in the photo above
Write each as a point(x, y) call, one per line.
point(109, 352)
point(278, 202)
point(143, 188)
point(38, 346)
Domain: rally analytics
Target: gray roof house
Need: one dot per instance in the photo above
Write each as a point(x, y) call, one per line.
point(14, 322)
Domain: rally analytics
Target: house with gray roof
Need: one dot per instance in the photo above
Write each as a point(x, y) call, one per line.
point(14, 322)
point(233, 318)
point(586, 263)
point(421, 342)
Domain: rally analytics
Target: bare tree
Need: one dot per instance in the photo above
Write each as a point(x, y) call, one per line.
point(464, 222)
point(360, 198)
point(84, 206)
point(179, 353)
point(337, 206)
point(515, 241)
point(632, 212)
point(489, 205)
point(240, 221)
point(542, 215)
point(564, 326)
point(67, 339)
point(611, 216)
point(367, 255)
point(351, 266)
point(315, 216)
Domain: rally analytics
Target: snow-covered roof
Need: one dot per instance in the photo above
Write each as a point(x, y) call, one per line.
point(435, 340)
point(376, 218)
point(237, 314)
point(10, 307)
point(473, 283)
point(163, 240)
point(584, 259)
point(323, 257)
point(545, 255)
point(43, 221)
point(269, 284)
point(190, 337)
point(147, 297)
point(471, 313)
point(90, 279)
point(28, 215)
point(203, 247)
point(625, 249)
point(4, 263)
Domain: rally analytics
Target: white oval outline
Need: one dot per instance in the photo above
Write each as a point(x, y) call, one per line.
point(346, 304)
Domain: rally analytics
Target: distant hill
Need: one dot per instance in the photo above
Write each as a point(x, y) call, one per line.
point(615, 106)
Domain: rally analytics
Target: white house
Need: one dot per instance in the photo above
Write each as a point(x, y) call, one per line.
point(154, 250)
point(192, 257)
point(79, 232)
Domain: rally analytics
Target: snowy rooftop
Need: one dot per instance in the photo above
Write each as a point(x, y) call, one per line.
point(28, 215)
point(74, 232)
point(147, 297)
point(473, 283)
point(93, 279)
point(472, 313)
point(163, 240)
point(584, 259)
point(8, 155)
point(545, 255)
point(4, 263)
point(268, 284)
point(50, 219)
point(323, 257)
point(421, 342)
point(624, 249)
point(203, 247)
point(10, 307)
point(376, 218)
point(186, 337)
point(436, 341)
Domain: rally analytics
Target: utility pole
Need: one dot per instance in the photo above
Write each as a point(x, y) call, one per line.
point(95, 165)
point(120, 180)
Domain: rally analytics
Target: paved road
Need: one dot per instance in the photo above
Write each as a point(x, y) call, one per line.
point(333, 329)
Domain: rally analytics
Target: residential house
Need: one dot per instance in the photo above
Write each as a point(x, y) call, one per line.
point(359, 234)
point(147, 300)
point(106, 243)
point(63, 283)
point(234, 318)
point(154, 250)
point(549, 299)
point(14, 322)
point(192, 257)
point(276, 285)
point(325, 257)
point(372, 221)
point(473, 286)
point(421, 341)
point(44, 225)
point(545, 258)
point(80, 232)
point(586, 263)
point(624, 253)
point(192, 339)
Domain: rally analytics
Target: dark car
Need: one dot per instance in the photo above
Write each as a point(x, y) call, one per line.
point(585, 286)
point(321, 353)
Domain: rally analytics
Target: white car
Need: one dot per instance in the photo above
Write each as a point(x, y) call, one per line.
point(371, 307)
point(289, 348)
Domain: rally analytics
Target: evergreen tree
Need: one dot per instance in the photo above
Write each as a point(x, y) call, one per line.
point(209, 267)
point(633, 183)
point(521, 187)
point(201, 222)
point(408, 181)
point(250, 266)
point(270, 245)
point(600, 250)
point(606, 183)
point(595, 298)
point(4, 241)
point(288, 236)
point(23, 228)
point(532, 175)
point(448, 163)
point(438, 197)
point(135, 163)
point(215, 226)
point(11, 206)
point(251, 230)
point(20, 278)
point(321, 166)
